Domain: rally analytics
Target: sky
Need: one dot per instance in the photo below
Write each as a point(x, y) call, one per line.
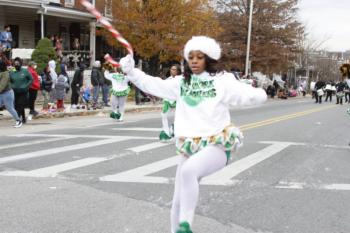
point(327, 21)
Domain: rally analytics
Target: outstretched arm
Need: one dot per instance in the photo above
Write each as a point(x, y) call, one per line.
point(169, 88)
point(241, 94)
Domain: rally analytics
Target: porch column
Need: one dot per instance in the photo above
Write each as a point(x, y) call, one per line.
point(92, 42)
point(42, 25)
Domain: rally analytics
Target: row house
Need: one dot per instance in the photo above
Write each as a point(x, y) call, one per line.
point(31, 20)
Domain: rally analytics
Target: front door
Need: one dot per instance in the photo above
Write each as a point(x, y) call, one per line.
point(15, 35)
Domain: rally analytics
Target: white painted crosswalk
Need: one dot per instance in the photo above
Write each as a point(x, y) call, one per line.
point(144, 173)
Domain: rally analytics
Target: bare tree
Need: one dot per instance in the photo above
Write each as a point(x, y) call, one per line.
point(274, 33)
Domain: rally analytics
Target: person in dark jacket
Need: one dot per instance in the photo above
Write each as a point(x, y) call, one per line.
point(21, 80)
point(329, 91)
point(6, 93)
point(319, 91)
point(46, 87)
point(340, 87)
point(76, 84)
point(98, 82)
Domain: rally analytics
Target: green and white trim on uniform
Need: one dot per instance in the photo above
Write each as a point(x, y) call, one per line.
point(229, 139)
point(120, 93)
point(167, 105)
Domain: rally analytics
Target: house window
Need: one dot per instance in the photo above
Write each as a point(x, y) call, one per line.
point(108, 8)
point(69, 3)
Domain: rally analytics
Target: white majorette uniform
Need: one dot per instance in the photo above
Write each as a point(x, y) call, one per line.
point(168, 105)
point(119, 93)
point(205, 136)
point(202, 108)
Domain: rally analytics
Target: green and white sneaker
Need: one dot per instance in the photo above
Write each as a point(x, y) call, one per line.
point(164, 137)
point(115, 115)
point(184, 227)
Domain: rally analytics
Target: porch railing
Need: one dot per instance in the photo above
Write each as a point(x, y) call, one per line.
point(74, 57)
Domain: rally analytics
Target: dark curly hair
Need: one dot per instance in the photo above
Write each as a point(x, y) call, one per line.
point(211, 66)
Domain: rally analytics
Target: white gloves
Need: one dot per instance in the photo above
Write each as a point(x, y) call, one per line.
point(127, 64)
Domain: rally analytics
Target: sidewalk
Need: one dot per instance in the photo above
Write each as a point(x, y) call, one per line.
point(129, 107)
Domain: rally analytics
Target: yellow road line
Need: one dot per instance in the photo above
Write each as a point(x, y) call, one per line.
point(282, 118)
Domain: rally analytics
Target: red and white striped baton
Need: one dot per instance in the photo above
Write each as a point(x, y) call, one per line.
point(110, 28)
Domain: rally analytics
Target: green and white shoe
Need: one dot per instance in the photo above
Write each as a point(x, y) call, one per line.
point(163, 136)
point(115, 115)
point(112, 115)
point(184, 227)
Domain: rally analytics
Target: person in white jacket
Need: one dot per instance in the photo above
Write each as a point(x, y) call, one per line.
point(119, 93)
point(205, 136)
point(168, 105)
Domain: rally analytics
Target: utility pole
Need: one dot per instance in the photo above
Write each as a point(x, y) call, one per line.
point(248, 38)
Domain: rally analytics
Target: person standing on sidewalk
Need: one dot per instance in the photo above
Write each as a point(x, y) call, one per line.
point(61, 87)
point(205, 136)
point(7, 96)
point(99, 83)
point(53, 74)
point(119, 92)
point(20, 83)
point(46, 87)
point(33, 89)
point(77, 83)
point(168, 105)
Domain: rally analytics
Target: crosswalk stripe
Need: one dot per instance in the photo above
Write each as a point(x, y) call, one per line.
point(138, 129)
point(139, 174)
point(222, 177)
point(303, 185)
point(83, 136)
point(52, 171)
point(149, 146)
point(29, 143)
point(59, 150)
point(225, 175)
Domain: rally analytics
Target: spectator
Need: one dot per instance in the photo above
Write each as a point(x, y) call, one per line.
point(65, 74)
point(58, 46)
point(53, 74)
point(20, 83)
point(33, 89)
point(4, 58)
point(6, 40)
point(76, 84)
point(6, 93)
point(61, 86)
point(98, 82)
point(46, 87)
point(76, 44)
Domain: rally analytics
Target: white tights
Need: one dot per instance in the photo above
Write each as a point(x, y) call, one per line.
point(189, 171)
point(165, 122)
point(118, 102)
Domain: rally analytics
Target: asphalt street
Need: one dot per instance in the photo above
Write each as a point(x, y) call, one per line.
point(92, 174)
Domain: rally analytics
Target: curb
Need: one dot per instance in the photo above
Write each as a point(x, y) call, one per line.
point(89, 112)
